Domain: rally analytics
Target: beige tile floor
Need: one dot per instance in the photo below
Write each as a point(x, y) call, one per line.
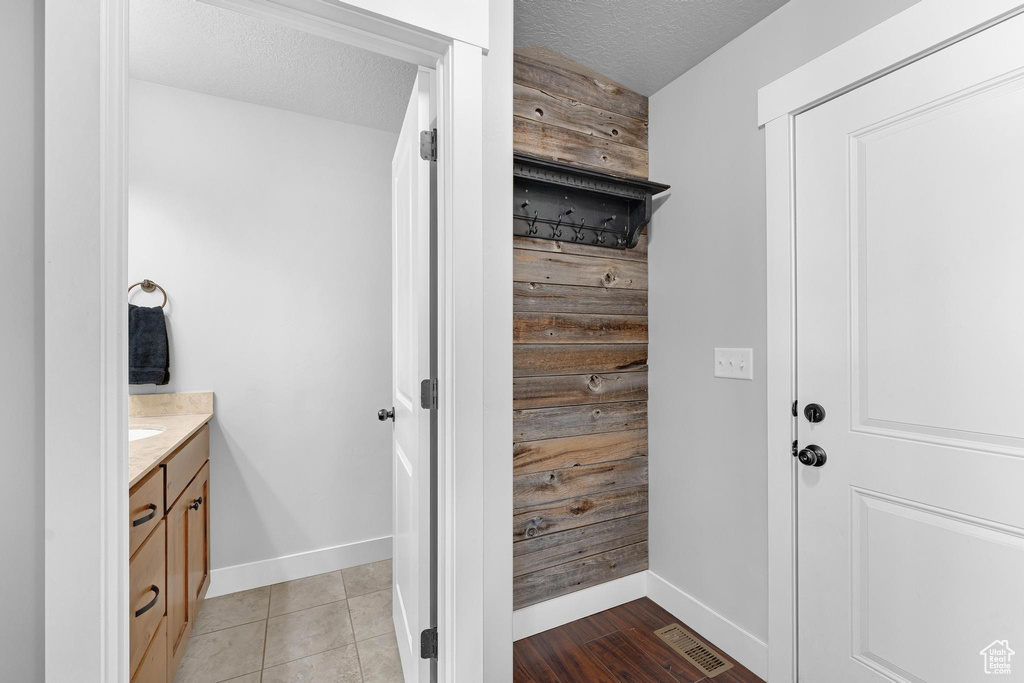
point(334, 628)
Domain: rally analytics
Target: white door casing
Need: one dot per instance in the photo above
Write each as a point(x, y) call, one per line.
point(86, 56)
point(410, 296)
point(910, 305)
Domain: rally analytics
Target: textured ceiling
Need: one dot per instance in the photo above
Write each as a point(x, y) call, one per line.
point(642, 44)
point(190, 45)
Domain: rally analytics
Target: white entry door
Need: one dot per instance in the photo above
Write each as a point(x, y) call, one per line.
point(910, 336)
point(410, 291)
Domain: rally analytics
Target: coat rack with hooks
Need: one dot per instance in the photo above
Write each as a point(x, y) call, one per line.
point(566, 203)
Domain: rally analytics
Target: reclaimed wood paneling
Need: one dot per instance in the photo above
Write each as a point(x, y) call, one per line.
point(543, 107)
point(599, 506)
point(578, 328)
point(574, 451)
point(543, 298)
point(580, 351)
point(637, 253)
point(578, 84)
point(592, 570)
point(534, 554)
point(567, 390)
point(551, 486)
point(568, 146)
point(569, 269)
point(550, 423)
point(530, 360)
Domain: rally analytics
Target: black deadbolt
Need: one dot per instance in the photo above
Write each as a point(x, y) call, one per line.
point(814, 412)
point(812, 456)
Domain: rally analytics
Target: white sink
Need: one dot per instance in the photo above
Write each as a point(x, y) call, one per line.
point(136, 434)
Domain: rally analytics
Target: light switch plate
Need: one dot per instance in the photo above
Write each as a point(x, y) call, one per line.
point(734, 363)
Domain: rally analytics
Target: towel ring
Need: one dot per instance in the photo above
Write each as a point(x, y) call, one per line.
point(149, 286)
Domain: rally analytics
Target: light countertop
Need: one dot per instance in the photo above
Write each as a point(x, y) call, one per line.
point(179, 416)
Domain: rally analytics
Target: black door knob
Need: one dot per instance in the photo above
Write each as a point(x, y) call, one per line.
point(385, 414)
point(814, 412)
point(812, 456)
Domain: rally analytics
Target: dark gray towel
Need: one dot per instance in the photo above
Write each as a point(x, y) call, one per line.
point(148, 357)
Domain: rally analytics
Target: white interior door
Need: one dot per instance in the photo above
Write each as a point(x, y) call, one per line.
point(910, 317)
point(410, 291)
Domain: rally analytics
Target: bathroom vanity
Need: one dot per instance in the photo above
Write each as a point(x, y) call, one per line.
point(169, 533)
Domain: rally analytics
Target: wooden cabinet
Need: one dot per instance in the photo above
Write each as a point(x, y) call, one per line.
point(145, 509)
point(199, 537)
point(147, 592)
point(171, 566)
point(186, 462)
point(154, 664)
point(188, 563)
point(179, 621)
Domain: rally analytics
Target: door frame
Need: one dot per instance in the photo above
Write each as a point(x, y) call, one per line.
point(86, 390)
point(920, 30)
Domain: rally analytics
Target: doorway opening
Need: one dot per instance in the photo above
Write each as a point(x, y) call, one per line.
point(282, 224)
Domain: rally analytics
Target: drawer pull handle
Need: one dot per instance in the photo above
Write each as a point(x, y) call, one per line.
point(196, 503)
point(142, 520)
point(149, 605)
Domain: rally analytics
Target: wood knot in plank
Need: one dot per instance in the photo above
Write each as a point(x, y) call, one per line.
point(580, 507)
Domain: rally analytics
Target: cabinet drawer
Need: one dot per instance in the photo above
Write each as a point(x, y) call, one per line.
point(154, 664)
point(146, 593)
point(184, 464)
point(145, 508)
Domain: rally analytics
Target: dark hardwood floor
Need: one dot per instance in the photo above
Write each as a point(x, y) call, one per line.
point(614, 646)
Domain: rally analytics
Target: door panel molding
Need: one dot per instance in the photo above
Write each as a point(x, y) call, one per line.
point(971, 100)
point(873, 512)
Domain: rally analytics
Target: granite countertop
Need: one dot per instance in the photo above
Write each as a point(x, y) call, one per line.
point(179, 416)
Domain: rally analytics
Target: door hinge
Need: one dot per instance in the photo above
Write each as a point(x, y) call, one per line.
point(428, 145)
point(428, 394)
point(795, 449)
point(428, 643)
point(794, 408)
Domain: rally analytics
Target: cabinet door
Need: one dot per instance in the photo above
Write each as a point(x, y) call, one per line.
point(154, 665)
point(147, 594)
point(179, 613)
point(199, 538)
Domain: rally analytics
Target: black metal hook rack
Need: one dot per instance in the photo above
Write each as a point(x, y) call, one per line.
point(557, 201)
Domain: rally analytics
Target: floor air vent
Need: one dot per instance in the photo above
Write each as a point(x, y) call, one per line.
point(694, 650)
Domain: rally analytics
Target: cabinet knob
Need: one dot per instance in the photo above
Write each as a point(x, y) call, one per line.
point(196, 503)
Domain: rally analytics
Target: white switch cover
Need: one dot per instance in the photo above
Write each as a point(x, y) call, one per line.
point(734, 363)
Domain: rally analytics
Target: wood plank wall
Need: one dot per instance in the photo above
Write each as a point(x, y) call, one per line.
point(580, 351)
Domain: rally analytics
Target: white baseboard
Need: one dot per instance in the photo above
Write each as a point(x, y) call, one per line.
point(739, 644)
point(557, 611)
point(241, 577)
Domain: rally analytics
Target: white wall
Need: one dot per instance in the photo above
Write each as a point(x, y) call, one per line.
point(708, 465)
point(21, 340)
point(271, 232)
